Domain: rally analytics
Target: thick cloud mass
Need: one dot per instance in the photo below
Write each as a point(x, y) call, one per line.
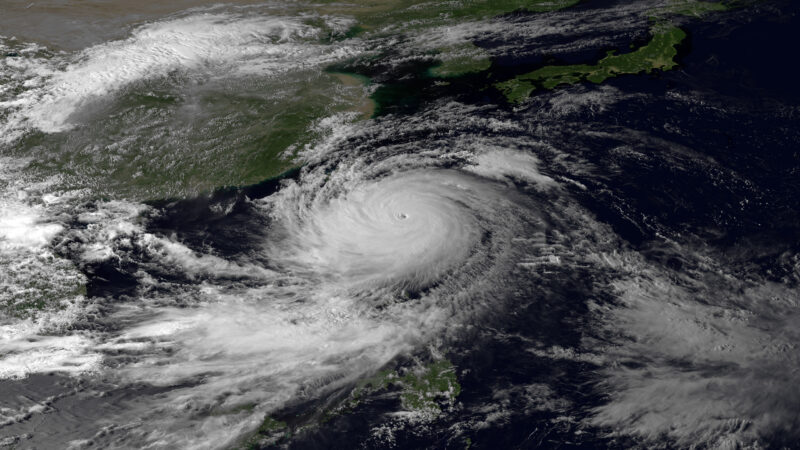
point(405, 229)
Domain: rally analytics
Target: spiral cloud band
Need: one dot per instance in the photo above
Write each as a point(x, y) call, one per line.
point(335, 286)
point(405, 229)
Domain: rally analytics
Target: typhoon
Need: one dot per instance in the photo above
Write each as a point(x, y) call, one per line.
point(473, 224)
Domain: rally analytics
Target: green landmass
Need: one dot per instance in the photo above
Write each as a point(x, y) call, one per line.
point(170, 143)
point(165, 141)
point(691, 8)
point(371, 384)
point(460, 60)
point(174, 137)
point(658, 54)
point(247, 407)
point(24, 292)
point(367, 106)
point(376, 15)
point(423, 390)
point(269, 433)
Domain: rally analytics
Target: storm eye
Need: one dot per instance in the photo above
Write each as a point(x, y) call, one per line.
point(402, 216)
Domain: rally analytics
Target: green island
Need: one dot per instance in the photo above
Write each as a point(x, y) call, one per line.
point(426, 389)
point(270, 432)
point(659, 53)
point(422, 390)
